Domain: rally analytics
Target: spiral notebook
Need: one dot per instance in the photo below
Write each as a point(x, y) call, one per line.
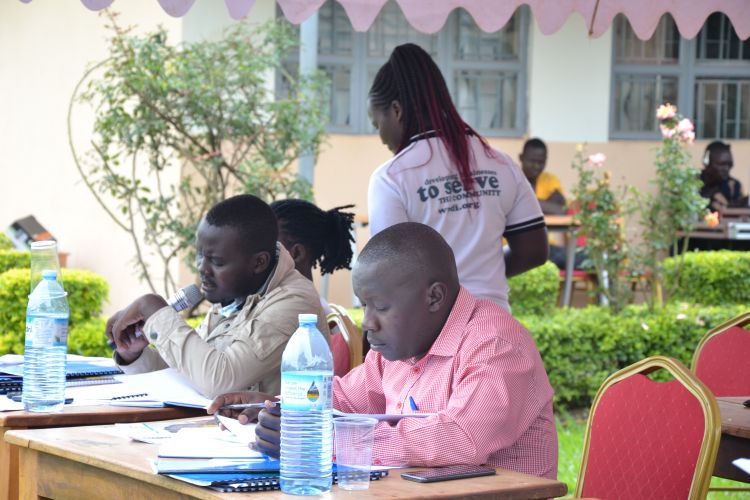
point(233, 482)
point(73, 369)
point(95, 371)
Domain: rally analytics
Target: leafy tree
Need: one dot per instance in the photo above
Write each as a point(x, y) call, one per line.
point(205, 109)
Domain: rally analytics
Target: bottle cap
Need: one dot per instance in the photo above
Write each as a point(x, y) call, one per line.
point(49, 274)
point(307, 318)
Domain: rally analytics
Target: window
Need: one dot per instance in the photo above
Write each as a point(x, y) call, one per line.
point(485, 72)
point(708, 78)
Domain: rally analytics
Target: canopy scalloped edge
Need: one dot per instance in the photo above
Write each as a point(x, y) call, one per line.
point(429, 16)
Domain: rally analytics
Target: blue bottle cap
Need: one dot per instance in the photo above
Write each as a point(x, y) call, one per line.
point(49, 274)
point(307, 318)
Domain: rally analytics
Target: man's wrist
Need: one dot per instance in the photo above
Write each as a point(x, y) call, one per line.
point(125, 360)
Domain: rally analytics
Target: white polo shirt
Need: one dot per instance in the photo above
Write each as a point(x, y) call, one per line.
point(421, 185)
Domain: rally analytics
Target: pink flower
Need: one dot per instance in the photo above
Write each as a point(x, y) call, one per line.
point(688, 137)
point(685, 125)
point(666, 112)
point(667, 132)
point(597, 159)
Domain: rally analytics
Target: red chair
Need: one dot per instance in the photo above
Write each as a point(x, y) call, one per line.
point(650, 440)
point(722, 358)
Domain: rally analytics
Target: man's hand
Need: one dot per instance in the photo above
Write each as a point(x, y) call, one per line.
point(124, 327)
point(243, 397)
point(268, 431)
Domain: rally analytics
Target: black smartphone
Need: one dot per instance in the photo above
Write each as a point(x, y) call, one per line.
point(448, 473)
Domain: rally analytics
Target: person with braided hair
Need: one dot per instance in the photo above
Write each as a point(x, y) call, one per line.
point(318, 238)
point(444, 174)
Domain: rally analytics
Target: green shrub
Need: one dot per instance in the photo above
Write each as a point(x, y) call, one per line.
point(14, 259)
point(535, 291)
point(5, 242)
point(712, 278)
point(581, 347)
point(86, 294)
point(87, 338)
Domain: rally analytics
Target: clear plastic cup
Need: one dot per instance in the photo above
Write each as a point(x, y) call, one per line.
point(353, 440)
point(43, 258)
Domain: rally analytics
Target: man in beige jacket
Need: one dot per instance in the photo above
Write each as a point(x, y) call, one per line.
point(256, 295)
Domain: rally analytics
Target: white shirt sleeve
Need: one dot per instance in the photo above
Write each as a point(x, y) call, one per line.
point(385, 205)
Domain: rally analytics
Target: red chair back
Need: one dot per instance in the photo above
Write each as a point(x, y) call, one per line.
point(722, 362)
point(649, 439)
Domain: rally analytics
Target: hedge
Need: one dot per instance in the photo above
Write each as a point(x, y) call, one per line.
point(581, 347)
point(14, 259)
point(86, 294)
point(87, 338)
point(712, 278)
point(535, 291)
point(5, 242)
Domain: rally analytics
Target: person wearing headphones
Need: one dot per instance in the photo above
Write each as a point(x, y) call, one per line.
point(719, 187)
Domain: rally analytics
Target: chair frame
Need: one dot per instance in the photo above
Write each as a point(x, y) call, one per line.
point(340, 317)
point(712, 433)
point(741, 321)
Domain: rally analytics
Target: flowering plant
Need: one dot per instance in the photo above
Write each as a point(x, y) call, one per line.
point(599, 217)
point(674, 208)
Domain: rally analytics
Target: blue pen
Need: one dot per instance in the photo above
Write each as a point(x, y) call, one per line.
point(413, 404)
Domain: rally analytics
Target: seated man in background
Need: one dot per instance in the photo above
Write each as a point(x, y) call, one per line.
point(548, 191)
point(719, 187)
point(256, 295)
point(435, 348)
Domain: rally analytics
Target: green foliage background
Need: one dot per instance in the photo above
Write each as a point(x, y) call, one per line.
point(535, 291)
point(14, 259)
point(87, 292)
point(711, 278)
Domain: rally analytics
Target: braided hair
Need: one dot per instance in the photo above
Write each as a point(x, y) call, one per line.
point(413, 79)
point(326, 234)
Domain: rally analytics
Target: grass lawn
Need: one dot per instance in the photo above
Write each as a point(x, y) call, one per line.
point(570, 431)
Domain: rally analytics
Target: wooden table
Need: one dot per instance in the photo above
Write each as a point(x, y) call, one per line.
point(70, 416)
point(91, 462)
point(735, 438)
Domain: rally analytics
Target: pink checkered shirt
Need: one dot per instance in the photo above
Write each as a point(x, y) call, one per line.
point(486, 382)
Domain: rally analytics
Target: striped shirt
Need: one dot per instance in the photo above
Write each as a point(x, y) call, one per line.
point(484, 379)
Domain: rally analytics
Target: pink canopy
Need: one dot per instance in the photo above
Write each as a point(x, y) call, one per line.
point(490, 15)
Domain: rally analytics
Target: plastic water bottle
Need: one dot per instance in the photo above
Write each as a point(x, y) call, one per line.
point(306, 418)
point(46, 346)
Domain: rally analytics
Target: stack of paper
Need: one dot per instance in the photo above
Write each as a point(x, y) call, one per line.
point(153, 389)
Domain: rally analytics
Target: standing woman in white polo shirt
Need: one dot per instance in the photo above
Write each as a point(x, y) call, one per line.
point(445, 175)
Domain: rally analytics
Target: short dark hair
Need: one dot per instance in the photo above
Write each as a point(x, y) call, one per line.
point(717, 146)
point(416, 249)
point(326, 234)
point(534, 142)
point(253, 219)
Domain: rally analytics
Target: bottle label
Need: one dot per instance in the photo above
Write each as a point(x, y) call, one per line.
point(306, 391)
point(46, 332)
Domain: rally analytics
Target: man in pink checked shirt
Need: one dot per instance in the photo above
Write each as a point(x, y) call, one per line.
point(433, 343)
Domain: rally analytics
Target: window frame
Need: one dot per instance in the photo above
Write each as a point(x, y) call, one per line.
point(688, 71)
point(360, 62)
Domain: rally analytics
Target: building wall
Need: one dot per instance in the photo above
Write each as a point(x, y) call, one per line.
point(569, 75)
